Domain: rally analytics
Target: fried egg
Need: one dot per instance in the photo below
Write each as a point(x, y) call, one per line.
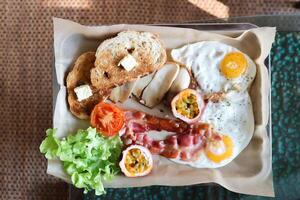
point(233, 122)
point(217, 67)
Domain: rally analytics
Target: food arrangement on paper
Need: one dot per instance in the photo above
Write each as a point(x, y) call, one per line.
point(190, 106)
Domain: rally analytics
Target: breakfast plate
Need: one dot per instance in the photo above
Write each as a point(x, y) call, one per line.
point(185, 123)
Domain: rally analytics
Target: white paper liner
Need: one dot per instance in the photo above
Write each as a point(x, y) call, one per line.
point(249, 173)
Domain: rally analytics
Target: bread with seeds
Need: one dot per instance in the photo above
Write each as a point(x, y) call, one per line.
point(126, 57)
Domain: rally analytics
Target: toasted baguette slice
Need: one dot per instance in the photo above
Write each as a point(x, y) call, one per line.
point(80, 75)
point(145, 47)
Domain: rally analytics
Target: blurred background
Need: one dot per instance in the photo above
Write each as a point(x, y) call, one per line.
point(26, 57)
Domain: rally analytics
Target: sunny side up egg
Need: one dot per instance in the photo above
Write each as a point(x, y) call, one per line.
point(233, 120)
point(217, 67)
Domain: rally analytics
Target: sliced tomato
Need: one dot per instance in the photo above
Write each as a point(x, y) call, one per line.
point(107, 118)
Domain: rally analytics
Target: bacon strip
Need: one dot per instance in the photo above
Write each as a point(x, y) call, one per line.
point(186, 143)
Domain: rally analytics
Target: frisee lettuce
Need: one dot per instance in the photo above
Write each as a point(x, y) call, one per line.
point(87, 157)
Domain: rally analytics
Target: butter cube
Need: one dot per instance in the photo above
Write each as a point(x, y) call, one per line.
point(83, 92)
point(128, 62)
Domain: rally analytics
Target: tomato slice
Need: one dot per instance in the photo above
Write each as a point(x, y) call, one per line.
point(107, 118)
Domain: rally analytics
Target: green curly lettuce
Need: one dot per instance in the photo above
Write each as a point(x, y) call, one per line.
point(87, 157)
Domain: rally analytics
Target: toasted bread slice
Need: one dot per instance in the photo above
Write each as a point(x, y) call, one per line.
point(146, 49)
point(80, 75)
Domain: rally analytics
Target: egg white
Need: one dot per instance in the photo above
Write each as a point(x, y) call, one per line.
point(204, 59)
point(233, 117)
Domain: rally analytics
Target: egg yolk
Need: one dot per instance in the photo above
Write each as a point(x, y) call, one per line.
point(218, 150)
point(187, 105)
point(136, 162)
point(233, 65)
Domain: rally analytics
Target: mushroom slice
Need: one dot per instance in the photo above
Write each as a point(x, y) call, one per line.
point(181, 82)
point(160, 84)
point(141, 84)
point(122, 93)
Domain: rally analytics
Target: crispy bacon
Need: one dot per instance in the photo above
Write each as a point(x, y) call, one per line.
point(185, 144)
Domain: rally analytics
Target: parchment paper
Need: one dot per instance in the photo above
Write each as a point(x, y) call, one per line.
point(249, 173)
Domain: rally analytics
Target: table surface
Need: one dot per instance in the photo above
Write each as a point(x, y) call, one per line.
point(26, 55)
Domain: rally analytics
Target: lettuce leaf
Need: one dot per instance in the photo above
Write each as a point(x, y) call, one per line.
point(87, 157)
point(50, 145)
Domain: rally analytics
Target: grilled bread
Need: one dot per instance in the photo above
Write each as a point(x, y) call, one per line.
point(144, 48)
point(80, 75)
